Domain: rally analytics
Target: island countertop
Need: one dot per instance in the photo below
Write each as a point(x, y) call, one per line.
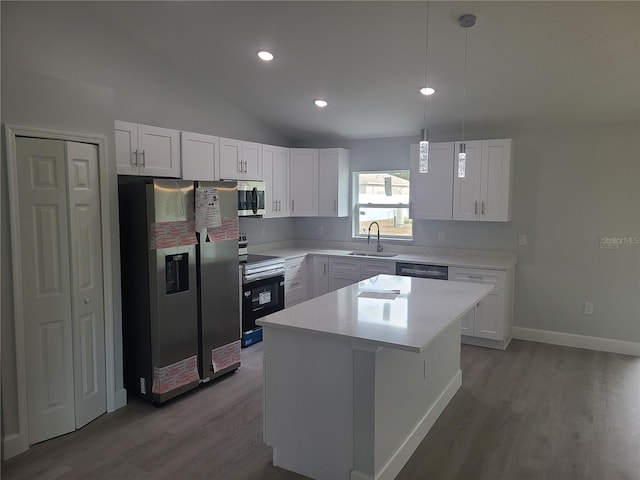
point(391, 311)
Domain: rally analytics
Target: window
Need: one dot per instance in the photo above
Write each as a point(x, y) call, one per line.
point(382, 197)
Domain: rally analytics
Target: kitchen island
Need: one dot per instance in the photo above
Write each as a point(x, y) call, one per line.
point(354, 379)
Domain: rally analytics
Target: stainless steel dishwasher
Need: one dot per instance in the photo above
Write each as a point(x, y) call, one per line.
point(421, 270)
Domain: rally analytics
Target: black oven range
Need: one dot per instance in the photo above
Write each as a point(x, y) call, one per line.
point(262, 292)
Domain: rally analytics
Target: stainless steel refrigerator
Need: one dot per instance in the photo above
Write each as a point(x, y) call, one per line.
point(218, 278)
point(159, 287)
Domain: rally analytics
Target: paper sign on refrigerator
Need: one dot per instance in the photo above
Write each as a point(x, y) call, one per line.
point(207, 208)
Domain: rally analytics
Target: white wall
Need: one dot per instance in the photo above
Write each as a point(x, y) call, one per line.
point(62, 69)
point(572, 185)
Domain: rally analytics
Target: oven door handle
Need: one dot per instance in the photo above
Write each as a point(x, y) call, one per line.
point(255, 277)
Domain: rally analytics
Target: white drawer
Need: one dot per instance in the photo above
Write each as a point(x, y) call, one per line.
point(295, 294)
point(371, 268)
point(295, 268)
point(476, 275)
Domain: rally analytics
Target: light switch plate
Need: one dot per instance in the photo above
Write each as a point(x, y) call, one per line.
point(441, 236)
point(522, 239)
point(588, 308)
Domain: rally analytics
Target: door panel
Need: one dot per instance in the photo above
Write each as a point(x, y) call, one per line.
point(86, 282)
point(466, 191)
point(432, 192)
point(495, 180)
point(45, 264)
point(159, 150)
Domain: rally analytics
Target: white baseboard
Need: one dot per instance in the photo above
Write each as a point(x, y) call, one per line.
point(406, 449)
point(13, 445)
point(578, 341)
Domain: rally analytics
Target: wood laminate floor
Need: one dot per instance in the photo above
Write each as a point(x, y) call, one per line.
point(535, 411)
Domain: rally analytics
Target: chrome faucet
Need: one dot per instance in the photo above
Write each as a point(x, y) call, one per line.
point(379, 246)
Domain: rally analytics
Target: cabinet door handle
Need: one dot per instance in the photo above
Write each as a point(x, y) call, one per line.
point(135, 158)
point(476, 209)
point(293, 205)
point(474, 277)
point(335, 206)
point(142, 163)
point(324, 265)
point(483, 207)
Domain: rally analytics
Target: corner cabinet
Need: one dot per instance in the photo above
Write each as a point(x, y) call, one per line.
point(490, 322)
point(275, 173)
point(432, 192)
point(333, 182)
point(200, 155)
point(147, 150)
point(485, 192)
point(240, 160)
point(303, 178)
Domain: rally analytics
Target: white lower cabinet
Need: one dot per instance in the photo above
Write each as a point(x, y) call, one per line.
point(295, 281)
point(490, 322)
point(319, 275)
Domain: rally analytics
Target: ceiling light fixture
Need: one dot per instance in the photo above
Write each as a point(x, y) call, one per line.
point(426, 90)
point(423, 155)
point(467, 20)
point(320, 103)
point(265, 56)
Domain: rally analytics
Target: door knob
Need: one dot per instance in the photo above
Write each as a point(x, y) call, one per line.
point(87, 300)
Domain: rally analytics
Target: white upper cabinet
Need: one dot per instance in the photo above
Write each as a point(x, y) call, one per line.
point(485, 191)
point(275, 172)
point(200, 154)
point(333, 182)
point(240, 160)
point(432, 191)
point(147, 150)
point(303, 177)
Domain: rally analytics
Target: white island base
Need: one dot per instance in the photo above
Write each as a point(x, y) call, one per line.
point(352, 385)
point(338, 410)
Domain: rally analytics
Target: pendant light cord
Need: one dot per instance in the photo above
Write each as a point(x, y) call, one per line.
point(464, 79)
point(426, 62)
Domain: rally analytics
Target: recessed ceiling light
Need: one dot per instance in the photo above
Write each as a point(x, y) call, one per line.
point(426, 90)
point(320, 103)
point(265, 56)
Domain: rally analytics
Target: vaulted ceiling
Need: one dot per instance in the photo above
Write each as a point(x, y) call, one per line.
point(529, 63)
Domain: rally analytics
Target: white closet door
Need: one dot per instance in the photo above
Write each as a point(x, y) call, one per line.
point(86, 282)
point(42, 196)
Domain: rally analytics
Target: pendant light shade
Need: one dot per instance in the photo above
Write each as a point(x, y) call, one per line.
point(462, 160)
point(465, 21)
point(423, 164)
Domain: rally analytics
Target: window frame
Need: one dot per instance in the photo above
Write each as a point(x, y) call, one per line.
point(355, 206)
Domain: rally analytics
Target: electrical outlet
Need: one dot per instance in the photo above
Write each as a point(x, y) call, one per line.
point(522, 239)
point(320, 230)
point(588, 308)
point(441, 236)
point(263, 231)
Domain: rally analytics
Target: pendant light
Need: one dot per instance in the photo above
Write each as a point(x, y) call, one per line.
point(423, 163)
point(465, 21)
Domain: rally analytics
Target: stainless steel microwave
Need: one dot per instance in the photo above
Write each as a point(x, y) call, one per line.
point(251, 199)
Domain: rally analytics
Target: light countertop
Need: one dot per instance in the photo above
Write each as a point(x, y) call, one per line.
point(458, 259)
point(387, 311)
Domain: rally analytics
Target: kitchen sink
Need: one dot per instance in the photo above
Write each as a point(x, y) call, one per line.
point(373, 254)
